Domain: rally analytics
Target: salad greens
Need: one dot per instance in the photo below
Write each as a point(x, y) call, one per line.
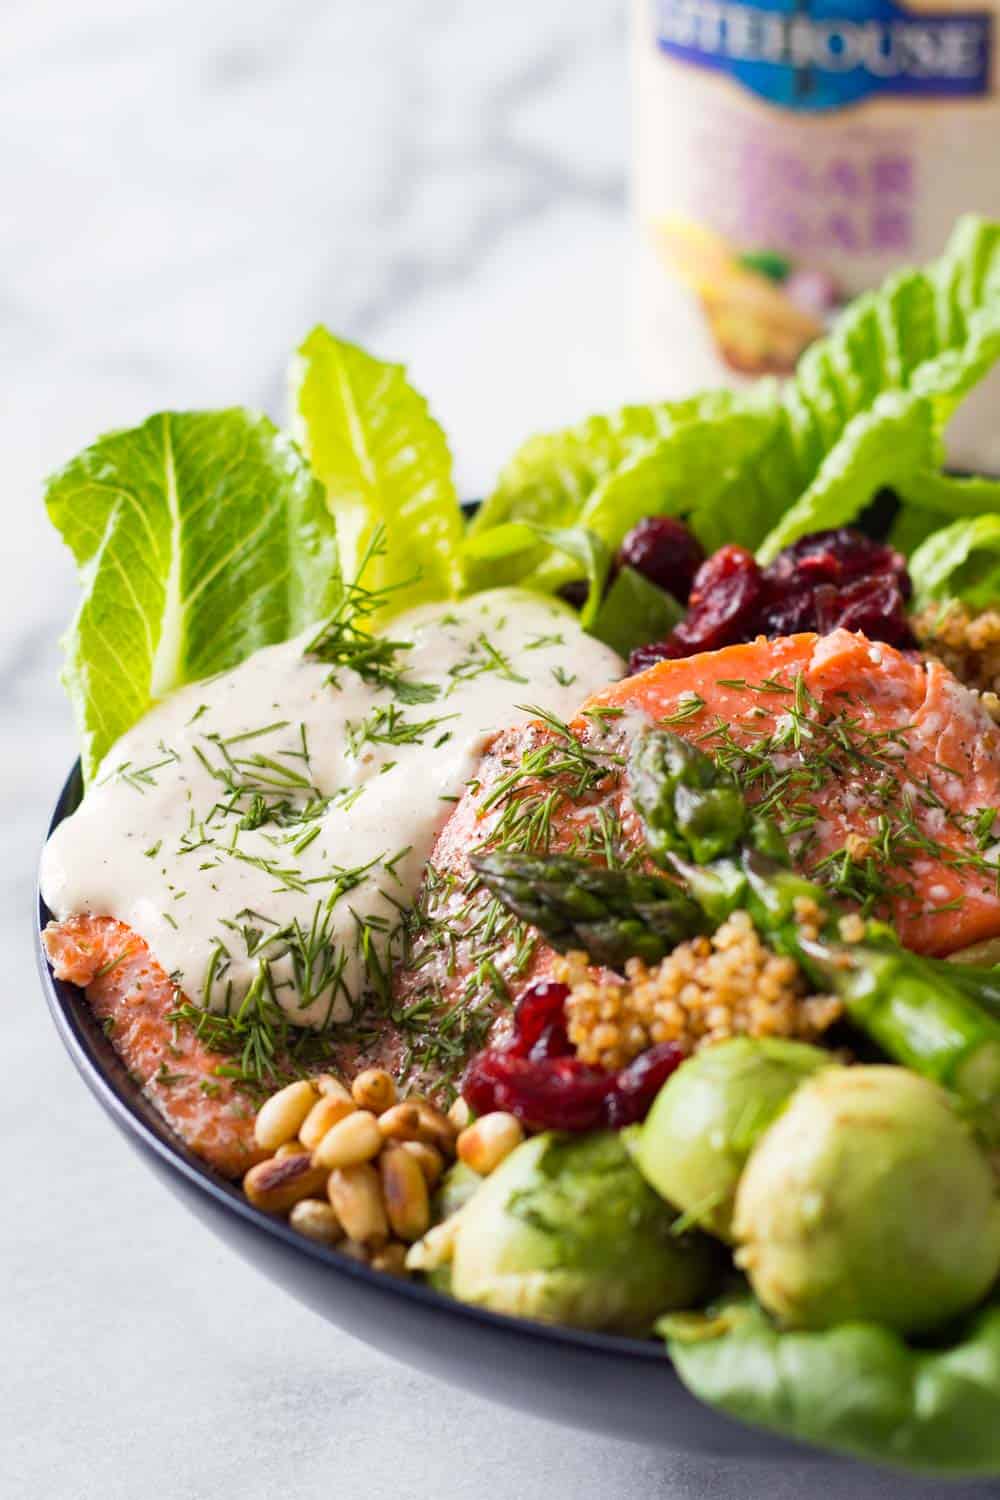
point(384, 462)
point(634, 611)
point(961, 561)
point(611, 471)
point(859, 1389)
point(200, 537)
point(866, 409)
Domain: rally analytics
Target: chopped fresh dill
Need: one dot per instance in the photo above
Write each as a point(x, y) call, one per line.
point(688, 706)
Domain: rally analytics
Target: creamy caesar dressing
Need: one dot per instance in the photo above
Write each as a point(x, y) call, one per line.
point(265, 830)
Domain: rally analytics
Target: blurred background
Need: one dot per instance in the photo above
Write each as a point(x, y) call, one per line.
point(186, 189)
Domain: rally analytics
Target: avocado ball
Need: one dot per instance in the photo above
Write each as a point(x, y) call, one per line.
point(707, 1117)
point(868, 1200)
point(567, 1231)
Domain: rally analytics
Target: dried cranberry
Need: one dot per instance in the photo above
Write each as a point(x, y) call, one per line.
point(638, 1085)
point(553, 1042)
point(876, 606)
point(648, 656)
point(833, 556)
point(540, 1008)
point(663, 550)
point(724, 598)
point(560, 1095)
point(789, 611)
point(538, 1078)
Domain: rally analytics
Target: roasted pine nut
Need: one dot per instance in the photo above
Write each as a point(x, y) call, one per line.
point(484, 1145)
point(317, 1220)
point(400, 1123)
point(326, 1083)
point(374, 1089)
point(355, 1138)
point(436, 1129)
point(404, 1188)
point(276, 1185)
point(328, 1110)
point(291, 1148)
point(460, 1114)
point(279, 1117)
point(430, 1159)
point(356, 1195)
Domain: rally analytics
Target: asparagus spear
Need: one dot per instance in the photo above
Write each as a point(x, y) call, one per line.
point(688, 805)
point(941, 1020)
point(611, 914)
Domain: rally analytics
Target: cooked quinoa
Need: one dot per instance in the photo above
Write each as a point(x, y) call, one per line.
point(968, 644)
point(707, 989)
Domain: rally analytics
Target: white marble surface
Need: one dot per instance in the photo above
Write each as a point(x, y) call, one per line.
point(185, 188)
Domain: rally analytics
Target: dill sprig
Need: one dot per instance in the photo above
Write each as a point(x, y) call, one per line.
point(345, 639)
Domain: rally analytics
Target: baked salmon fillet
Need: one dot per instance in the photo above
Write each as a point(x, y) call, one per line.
point(134, 999)
point(883, 769)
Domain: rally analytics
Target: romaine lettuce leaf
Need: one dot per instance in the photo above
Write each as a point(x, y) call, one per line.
point(383, 461)
point(961, 561)
point(858, 1389)
point(610, 471)
point(889, 377)
point(867, 407)
point(200, 536)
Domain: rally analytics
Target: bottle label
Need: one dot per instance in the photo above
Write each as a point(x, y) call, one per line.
point(816, 55)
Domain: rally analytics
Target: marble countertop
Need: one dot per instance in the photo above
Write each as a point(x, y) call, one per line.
point(187, 188)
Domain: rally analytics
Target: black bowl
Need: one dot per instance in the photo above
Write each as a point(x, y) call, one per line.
point(624, 1387)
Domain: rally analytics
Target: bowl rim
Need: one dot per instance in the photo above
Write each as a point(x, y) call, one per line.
point(83, 1039)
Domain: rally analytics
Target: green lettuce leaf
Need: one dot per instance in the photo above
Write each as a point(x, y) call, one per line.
point(961, 561)
point(634, 611)
point(858, 1389)
point(383, 461)
point(200, 536)
point(590, 553)
point(867, 408)
point(610, 471)
point(869, 404)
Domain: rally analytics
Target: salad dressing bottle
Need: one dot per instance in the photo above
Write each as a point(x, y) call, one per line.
point(790, 154)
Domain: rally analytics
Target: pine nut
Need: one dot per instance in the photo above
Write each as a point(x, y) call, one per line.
point(328, 1110)
point(484, 1145)
point(430, 1159)
point(279, 1117)
point(356, 1195)
point(325, 1083)
point(400, 1123)
point(355, 1138)
point(276, 1184)
point(391, 1260)
point(317, 1220)
point(291, 1148)
point(418, 1122)
point(460, 1114)
point(404, 1188)
point(436, 1129)
point(374, 1089)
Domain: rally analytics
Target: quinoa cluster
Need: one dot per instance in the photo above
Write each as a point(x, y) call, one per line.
point(969, 646)
point(706, 990)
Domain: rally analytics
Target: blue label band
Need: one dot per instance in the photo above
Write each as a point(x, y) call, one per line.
point(826, 54)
